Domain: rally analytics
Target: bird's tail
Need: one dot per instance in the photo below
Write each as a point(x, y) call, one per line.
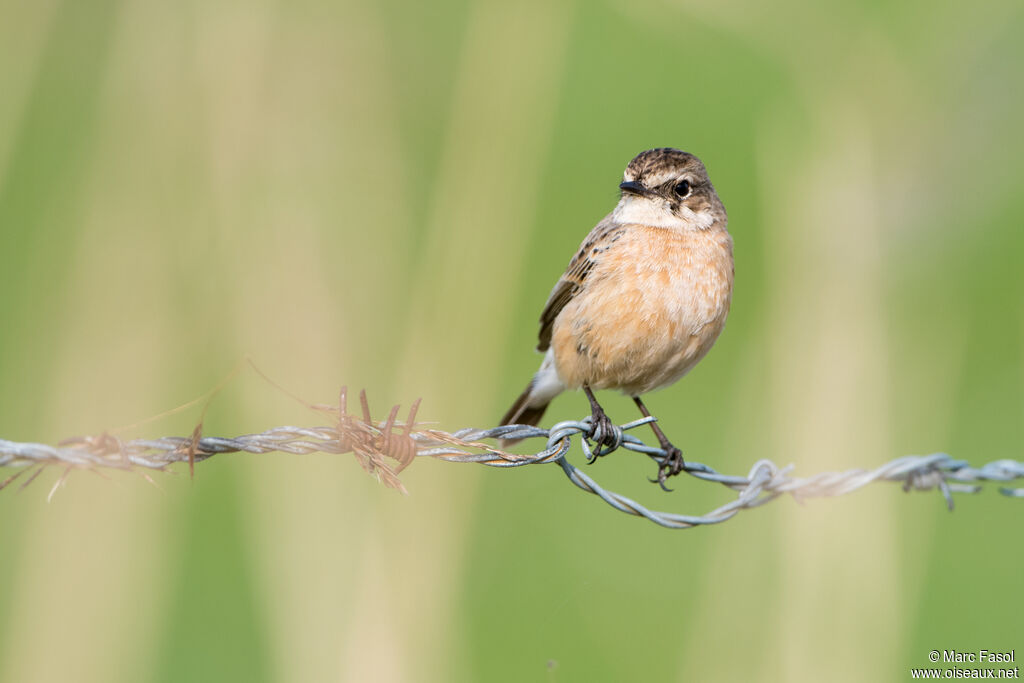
point(525, 411)
point(530, 406)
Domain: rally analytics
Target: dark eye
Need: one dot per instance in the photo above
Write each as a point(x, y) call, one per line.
point(682, 189)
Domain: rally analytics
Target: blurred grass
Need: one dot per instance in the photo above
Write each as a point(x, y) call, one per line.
point(381, 195)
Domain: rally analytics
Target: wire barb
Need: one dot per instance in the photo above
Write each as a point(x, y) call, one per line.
point(372, 443)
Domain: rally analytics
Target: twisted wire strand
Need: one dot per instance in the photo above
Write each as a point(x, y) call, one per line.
point(373, 443)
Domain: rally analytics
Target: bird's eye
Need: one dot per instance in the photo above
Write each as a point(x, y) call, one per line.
point(682, 189)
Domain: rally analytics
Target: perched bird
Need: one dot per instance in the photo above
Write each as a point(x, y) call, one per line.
point(643, 299)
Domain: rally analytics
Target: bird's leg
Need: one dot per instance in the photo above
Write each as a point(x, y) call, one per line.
point(599, 422)
point(673, 462)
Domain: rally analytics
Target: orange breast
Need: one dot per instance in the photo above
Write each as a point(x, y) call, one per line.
point(648, 311)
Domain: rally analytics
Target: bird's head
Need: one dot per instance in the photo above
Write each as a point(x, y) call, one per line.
point(667, 187)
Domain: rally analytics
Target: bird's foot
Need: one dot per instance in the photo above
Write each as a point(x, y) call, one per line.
point(602, 433)
point(671, 465)
point(606, 436)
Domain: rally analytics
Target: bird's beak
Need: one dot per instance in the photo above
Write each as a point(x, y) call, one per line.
point(634, 188)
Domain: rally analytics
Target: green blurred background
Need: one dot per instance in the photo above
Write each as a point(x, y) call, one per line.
point(381, 194)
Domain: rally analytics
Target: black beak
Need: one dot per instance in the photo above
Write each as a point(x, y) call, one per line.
point(633, 187)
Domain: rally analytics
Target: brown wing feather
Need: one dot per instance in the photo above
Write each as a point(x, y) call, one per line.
point(569, 285)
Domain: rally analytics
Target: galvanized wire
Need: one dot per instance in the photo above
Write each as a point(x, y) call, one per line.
point(373, 443)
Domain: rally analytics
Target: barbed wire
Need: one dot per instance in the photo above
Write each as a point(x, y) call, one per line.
point(375, 443)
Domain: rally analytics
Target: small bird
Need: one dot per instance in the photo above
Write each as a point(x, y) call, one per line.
point(644, 298)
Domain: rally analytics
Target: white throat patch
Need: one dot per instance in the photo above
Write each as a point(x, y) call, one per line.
point(654, 212)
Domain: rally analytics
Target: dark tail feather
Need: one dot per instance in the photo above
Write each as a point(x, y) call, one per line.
point(522, 414)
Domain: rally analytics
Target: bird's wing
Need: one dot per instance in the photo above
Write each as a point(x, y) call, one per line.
point(571, 282)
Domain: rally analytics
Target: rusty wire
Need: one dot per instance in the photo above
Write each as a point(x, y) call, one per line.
point(385, 448)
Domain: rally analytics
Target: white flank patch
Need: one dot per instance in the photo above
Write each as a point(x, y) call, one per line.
point(546, 383)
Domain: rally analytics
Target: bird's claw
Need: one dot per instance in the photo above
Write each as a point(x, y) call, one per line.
point(602, 433)
point(671, 465)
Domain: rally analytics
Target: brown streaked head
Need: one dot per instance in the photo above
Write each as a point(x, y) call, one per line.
point(673, 179)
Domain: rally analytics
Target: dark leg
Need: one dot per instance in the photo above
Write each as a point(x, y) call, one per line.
point(599, 422)
point(673, 463)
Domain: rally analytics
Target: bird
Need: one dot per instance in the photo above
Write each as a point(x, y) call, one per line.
point(643, 299)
